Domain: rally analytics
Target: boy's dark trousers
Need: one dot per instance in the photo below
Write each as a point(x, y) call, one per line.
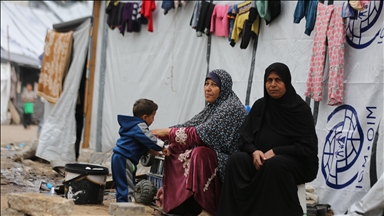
point(27, 120)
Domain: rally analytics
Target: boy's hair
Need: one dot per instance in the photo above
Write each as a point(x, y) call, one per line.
point(144, 107)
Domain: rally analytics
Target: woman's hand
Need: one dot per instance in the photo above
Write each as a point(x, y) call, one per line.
point(161, 132)
point(269, 154)
point(258, 159)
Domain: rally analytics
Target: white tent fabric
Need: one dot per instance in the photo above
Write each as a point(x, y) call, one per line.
point(372, 204)
point(75, 11)
point(27, 28)
point(5, 90)
point(58, 135)
point(169, 67)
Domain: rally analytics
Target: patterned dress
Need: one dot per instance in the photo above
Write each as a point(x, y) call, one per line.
point(200, 147)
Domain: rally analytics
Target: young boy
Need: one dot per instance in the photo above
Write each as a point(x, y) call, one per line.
point(28, 97)
point(135, 141)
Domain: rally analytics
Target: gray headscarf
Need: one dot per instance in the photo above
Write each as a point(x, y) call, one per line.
point(218, 123)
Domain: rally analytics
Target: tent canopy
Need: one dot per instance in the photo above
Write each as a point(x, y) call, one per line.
point(23, 28)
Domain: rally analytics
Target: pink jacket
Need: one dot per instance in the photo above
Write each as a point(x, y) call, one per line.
point(219, 20)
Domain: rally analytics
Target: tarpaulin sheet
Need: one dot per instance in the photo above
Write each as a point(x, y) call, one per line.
point(169, 67)
point(58, 135)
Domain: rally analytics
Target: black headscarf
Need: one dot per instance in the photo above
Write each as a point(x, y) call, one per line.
point(289, 115)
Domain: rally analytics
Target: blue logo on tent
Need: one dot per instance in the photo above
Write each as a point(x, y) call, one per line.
point(342, 147)
point(358, 36)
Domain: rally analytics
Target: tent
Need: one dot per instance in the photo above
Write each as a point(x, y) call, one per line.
point(23, 30)
point(169, 66)
point(58, 134)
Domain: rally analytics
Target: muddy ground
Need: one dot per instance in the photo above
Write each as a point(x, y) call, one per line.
point(20, 174)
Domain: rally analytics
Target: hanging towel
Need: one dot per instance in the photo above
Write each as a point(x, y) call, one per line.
point(57, 54)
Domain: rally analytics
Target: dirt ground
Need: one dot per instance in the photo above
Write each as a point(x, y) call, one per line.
point(23, 175)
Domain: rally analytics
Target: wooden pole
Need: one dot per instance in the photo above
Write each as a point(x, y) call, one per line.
point(90, 80)
point(9, 51)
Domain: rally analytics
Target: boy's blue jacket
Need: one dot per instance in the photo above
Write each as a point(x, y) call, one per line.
point(135, 138)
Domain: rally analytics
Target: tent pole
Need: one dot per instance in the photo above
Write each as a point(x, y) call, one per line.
point(103, 58)
point(9, 53)
point(91, 75)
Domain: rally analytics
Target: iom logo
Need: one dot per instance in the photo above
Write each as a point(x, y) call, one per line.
point(360, 33)
point(342, 147)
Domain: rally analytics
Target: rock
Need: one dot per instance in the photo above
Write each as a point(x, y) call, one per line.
point(26, 152)
point(121, 208)
point(39, 204)
point(28, 162)
point(11, 212)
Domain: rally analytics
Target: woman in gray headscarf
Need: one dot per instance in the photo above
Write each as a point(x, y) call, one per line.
point(199, 149)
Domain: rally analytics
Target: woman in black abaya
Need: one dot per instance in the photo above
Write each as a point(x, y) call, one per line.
point(278, 151)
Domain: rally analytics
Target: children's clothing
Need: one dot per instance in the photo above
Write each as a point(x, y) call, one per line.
point(29, 96)
point(219, 20)
point(243, 10)
point(135, 141)
point(307, 9)
point(147, 7)
point(329, 26)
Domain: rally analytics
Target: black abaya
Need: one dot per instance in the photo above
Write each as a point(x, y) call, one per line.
point(284, 125)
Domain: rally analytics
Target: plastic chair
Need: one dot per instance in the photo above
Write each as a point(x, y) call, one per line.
point(302, 197)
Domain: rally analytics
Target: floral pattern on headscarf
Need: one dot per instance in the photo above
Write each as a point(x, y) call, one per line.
point(218, 123)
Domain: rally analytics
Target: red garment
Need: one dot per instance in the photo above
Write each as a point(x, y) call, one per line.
point(147, 7)
point(190, 172)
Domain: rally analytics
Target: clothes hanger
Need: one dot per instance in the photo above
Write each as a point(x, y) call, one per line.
point(330, 2)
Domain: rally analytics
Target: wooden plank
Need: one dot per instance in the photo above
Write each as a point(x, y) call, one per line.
point(90, 80)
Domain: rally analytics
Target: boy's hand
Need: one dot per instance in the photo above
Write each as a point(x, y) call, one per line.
point(153, 152)
point(166, 151)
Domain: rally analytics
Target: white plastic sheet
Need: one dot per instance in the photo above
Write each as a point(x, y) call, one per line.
point(58, 135)
point(5, 90)
point(27, 27)
point(169, 66)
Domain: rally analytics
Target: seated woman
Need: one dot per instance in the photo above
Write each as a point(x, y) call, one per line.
point(194, 170)
point(278, 151)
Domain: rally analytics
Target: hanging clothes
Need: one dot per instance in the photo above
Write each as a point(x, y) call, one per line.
point(242, 14)
point(147, 7)
point(112, 11)
point(130, 18)
point(357, 4)
point(179, 3)
point(247, 33)
point(307, 9)
point(219, 21)
point(331, 27)
point(274, 8)
point(167, 5)
point(262, 8)
point(232, 11)
point(348, 12)
point(204, 20)
point(195, 14)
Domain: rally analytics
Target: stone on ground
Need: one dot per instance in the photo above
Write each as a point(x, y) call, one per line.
point(39, 204)
point(122, 208)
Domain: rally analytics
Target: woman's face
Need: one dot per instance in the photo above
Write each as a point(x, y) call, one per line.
point(275, 86)
point(211, 91)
